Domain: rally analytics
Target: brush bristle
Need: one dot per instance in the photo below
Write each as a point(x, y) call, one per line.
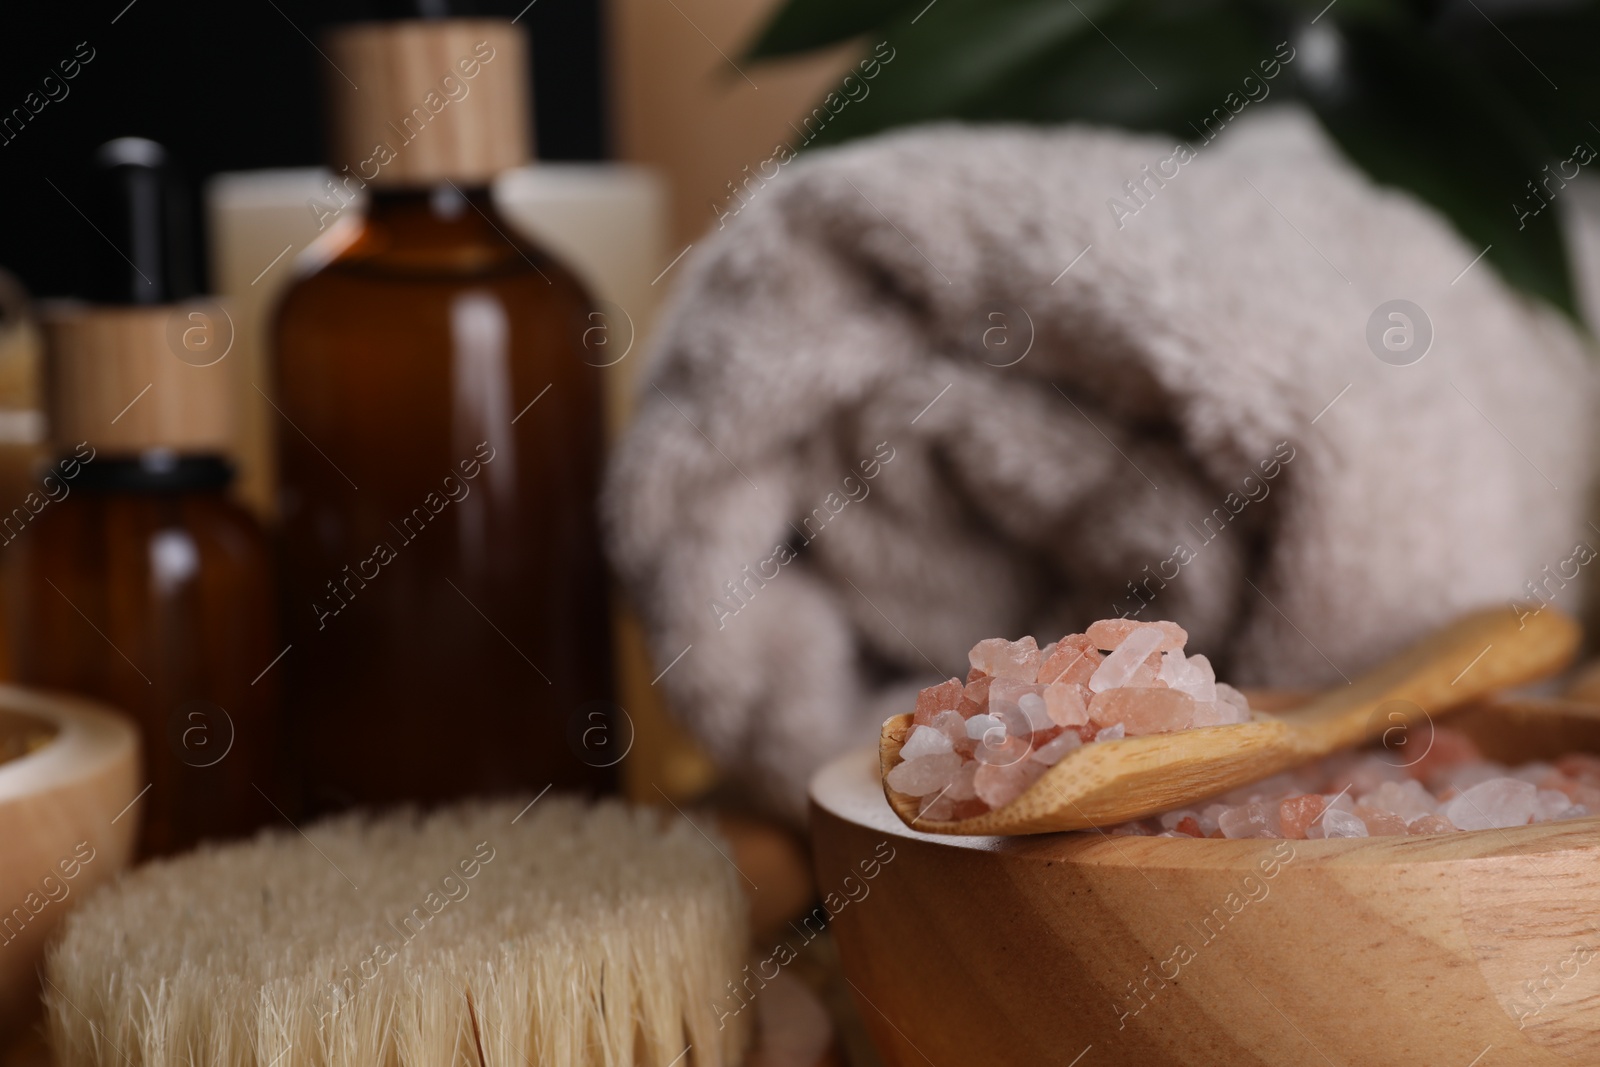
point(469, 937)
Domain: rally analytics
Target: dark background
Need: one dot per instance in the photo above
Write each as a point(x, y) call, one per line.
point(225, 86)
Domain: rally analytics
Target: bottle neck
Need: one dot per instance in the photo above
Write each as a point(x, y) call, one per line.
point(448, 210)
point(449, 222)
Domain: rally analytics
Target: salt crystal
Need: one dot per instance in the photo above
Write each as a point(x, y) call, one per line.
point(1550, 804)
point(1000, 784)
point(926, 741)
point(951, 724)
point(1006, 659)
point(1111, 733)
point(1063, 702)
point(1227, 693)
point(977, 691)
point(1170, 819)
point(961, 785)
point(1493, 804)
point(1016, 723)
point(937, 698)
point(1251, 820)
point(939, 808)
point(1073, 660)
point(925, 775)
point(1051, 752)
point(1174, 670)
point(1007, 699)
point(1297, 814)
point(1033, 707)
point(1145, 676)
point(980, 726)
point(1381, 823)
point(1002, 753)
point(1200, 681)
point(1121, 665)
point(1407, 799)
point(1142, 711)
point(1429, 824)
point(1337, 823)
point(1113, 633)
point(1208, 817)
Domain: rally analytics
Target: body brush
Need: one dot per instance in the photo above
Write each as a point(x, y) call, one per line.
point(485, 935)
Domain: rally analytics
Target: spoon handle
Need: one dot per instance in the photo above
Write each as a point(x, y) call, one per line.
point(1487, 650)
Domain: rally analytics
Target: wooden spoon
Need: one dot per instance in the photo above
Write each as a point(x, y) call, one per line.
point(1110, 782)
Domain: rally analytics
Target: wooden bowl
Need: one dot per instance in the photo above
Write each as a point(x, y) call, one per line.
point(1464, 948)
point(62, 825)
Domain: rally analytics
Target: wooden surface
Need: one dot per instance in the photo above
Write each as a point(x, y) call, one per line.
point(1113, 781)
point(462, 83)
point(1351, 953)
point(56, 807)
point(114, 377)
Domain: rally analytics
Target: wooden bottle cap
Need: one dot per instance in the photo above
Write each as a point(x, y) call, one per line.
point(417, 103)
point(131, 379)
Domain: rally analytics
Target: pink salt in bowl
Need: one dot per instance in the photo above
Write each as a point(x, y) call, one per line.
point(1473, 947)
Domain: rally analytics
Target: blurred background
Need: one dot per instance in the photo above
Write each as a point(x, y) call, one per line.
point(651, 120)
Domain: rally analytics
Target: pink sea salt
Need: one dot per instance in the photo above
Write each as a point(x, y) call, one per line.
point(1296, 814)
point(999, 784)
point(1023, 704)
point(1336, 822)
point(945, 696)
point(1366, 794)
point(1143, 711)
point(927, 741)
point(1251, 820)
point(1429, 824)
point(1063, 702)
point(1073, 659)
point(1380, 823)
point(1111, 633)
point(1118, 668)
point(924, 775)
point(1496, 803)
point(1000, 658)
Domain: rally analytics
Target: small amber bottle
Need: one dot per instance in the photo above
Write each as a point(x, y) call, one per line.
point(133, 577)
point(439, 448)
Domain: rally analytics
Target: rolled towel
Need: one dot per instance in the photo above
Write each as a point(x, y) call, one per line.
point(965, 382)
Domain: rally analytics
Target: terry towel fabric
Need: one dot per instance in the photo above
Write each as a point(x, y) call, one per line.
point(964, 382)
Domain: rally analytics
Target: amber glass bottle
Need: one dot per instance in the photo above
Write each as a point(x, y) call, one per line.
point(133, 577)
point(439, 452)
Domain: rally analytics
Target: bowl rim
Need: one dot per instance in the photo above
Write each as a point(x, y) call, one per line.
point(89, 737)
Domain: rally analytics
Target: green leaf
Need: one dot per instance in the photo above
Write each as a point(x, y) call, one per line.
point(802, 25)
point(1411, 119)
point(1154, 65)
point(957, 52)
